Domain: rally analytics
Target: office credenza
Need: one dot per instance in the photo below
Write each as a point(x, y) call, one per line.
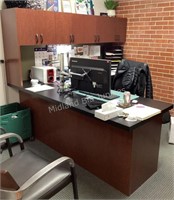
point(123, 154)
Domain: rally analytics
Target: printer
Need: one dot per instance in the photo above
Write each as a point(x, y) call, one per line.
point(45, 74)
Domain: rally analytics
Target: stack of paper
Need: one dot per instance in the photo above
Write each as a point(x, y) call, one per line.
point(141, 112)
point(39, 88)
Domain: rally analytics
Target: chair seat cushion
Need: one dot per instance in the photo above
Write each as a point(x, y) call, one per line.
point(25, 164)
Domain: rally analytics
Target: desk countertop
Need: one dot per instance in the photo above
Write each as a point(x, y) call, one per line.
point(78, 103)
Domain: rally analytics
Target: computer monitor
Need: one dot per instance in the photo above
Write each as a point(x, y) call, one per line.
point(91, 76)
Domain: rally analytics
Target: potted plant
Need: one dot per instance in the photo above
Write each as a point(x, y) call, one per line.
point(111, 6)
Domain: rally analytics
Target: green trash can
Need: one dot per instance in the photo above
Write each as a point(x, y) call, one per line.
point(17, 119)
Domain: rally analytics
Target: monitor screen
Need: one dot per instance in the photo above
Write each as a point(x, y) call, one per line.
point(91, 76)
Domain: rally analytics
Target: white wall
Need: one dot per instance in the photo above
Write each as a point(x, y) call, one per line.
point(3, 98)
point(8, 94)
point(99, 6)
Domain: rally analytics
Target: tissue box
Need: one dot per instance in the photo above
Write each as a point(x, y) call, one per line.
point(106, 115)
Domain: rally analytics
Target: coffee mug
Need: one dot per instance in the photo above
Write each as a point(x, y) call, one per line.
point(131, 118)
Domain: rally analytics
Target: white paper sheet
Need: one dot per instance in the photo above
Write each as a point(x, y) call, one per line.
point(141, 112)
point(39, 88)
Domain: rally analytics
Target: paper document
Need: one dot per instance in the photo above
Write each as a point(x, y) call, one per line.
point(39, 88)
point(142, 112)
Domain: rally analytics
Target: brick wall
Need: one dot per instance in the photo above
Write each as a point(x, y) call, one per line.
point(150, 39)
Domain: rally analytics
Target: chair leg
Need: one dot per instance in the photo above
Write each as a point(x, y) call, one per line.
point(74, 183)
point(9, 147)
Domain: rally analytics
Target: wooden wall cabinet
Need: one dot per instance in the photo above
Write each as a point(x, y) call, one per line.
point(89, 29)
point(74, 29)
point(35, 27)
point(30, 27)
point(83, 29)
point(111, 29)
point(24, 27)
point(63, 26)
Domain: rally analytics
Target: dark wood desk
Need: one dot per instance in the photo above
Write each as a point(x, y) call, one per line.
point(124, 154)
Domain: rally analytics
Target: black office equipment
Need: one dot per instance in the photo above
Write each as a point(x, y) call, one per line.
point(95, 104)
point(91, 76)
point(18, 4)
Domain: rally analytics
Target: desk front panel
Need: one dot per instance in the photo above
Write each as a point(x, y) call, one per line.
point(124, 159)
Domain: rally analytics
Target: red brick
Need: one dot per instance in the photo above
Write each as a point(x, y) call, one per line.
point(168, 9)
point(150, 39)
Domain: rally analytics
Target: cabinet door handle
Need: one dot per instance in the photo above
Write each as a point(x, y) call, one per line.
point(41, 38)
point(98, 38)
point(73, 38)
point(70, 38)
point(95, 38)
point(37, 38)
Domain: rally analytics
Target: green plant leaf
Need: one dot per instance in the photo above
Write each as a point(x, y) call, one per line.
point(111, 4)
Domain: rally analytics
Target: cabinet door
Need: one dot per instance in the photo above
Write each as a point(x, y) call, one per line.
point(120, 27)
point(84, 28)
point(111, 29)
point(74, 28)
point(63, 28)
point(104, 29)
point(35, 27)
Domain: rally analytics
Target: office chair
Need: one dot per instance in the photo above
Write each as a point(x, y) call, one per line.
point(25, 175)
point(135, 77)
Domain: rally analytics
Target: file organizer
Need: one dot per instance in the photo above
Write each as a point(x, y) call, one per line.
point(114, 54)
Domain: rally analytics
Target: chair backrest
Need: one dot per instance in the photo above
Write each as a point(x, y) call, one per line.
point(135, 77)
